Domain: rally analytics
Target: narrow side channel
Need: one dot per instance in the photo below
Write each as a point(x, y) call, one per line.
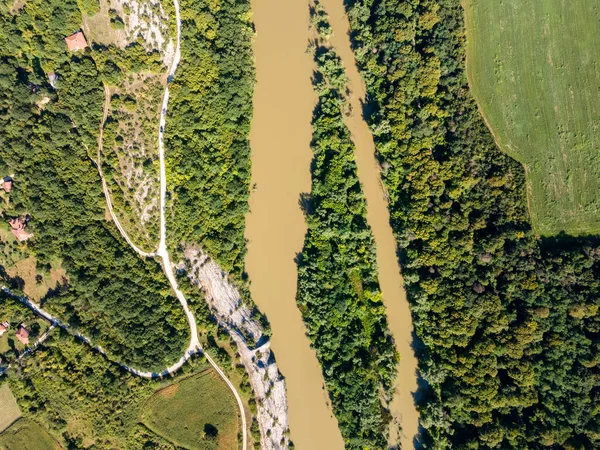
point(390, 279)
point(275, 227)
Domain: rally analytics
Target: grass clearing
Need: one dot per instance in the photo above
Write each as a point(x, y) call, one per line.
point(27, 435)
point(9, 410)
point(533, 66)
point(36, 281)
point(198, 412)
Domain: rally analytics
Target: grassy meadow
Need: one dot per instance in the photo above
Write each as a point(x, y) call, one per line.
point(27, 435)
point(533, 68)
point(197, 412)
point(9, 410)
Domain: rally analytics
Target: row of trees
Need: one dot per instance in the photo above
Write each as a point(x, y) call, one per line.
point(121, 302)
point(509, 324)
point(338, 291)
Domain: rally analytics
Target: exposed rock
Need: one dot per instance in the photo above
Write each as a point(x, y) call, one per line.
point(253, 346)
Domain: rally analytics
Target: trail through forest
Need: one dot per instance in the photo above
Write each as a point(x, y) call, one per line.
point(403, 406)
point(162, 251)
point(275, 227)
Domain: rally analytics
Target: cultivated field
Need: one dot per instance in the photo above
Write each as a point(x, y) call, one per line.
point(196, 413)
point(27, 435)
point(9, 410)
point(533, 67)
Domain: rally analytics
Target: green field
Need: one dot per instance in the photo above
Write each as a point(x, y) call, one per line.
point(198, 412)
point(27, 435)
point(533, 68)
point(9, 410)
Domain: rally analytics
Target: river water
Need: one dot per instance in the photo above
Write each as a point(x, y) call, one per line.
point(275, 227)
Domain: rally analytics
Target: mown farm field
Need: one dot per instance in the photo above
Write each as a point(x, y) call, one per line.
point(196, 413)
point(9, 410)
point(533, 68)
point(27, 435)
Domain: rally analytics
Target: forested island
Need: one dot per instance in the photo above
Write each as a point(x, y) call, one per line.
point(506, 322)
point(338, 290)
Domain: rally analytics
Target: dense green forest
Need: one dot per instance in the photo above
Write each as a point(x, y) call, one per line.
point(507, 325)
point(208, 123)
point(121, 302)
point(338, 291)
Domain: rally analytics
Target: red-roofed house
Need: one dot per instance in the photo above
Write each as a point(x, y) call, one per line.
point(17, 226)
point(76, 41)
point(23, 335)
point(3, 328)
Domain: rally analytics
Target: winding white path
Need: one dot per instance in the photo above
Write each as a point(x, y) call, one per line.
point(162, 252)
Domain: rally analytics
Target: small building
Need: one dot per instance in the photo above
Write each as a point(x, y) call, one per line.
point(7, 183)
point(52, 77)
point(3, 328)
point(76, 42)
point(17, 226)
point(23, 335)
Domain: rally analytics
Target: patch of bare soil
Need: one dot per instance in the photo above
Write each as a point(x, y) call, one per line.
point(169, 391)
point(17, 6)
point(145, 19)
point(130, 150)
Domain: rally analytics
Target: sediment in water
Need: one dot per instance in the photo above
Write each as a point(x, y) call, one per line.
point(275, 227)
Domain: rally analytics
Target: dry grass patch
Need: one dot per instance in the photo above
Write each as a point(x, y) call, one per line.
point(37, 282)
point(9, 410)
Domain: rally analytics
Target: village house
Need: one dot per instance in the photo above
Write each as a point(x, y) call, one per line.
point(23, 335)
point(3, 328)
point(17, 226)
point(7, 183)
point(76, 42)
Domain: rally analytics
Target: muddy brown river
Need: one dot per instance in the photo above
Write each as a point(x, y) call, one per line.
point(275, 228)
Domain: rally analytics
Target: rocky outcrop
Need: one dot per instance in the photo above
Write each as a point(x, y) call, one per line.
point(253, 345)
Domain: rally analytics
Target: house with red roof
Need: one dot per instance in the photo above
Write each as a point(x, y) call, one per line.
point(76, 42)
point(17, 226)
point(23, 335)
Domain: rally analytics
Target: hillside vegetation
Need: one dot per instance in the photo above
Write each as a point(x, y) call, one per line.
point(338, 291)
point(508, 328)
point(120, 301)
point(533, 68)
point(208, 123)
point(86, 401)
